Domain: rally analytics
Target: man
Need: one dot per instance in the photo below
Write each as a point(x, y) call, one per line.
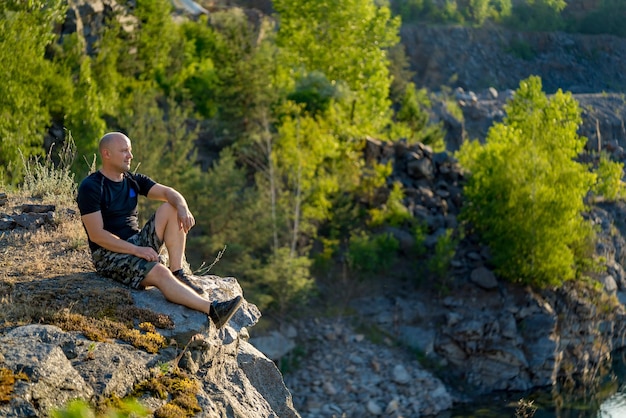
point(107, 200)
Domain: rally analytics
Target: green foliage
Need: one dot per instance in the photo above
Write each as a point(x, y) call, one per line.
point(413, 114)
point(420, 232)
point(303, 150)
point(315, 92)
point(393, 213)
point(539, 15)
point(475, 12)
point(609, 178)
point(400, 72)
point(445, 249)
point(250, 78)
point(346, 41)
point(413, 10)
point(607, 18)
point(368, 254)
point(525, 191)
point(81, 409)
point(521, 49)
point(286, 280)
point(224, 207)
point(25, 32)
point(374, 178)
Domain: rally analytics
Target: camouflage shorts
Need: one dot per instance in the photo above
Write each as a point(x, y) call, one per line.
point(127, 268)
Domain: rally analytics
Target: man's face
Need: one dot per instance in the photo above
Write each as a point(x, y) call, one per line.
point(120, 153)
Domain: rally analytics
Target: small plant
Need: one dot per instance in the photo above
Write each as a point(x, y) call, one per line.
point(521, 49)
point(609, 178)
point(51, 181)
point(439, 263)
point(394, 212)
point(371, 254)
point(420, 231)
point(91, 351)
point(291, 361)
point(525, 409)
point(121, 409)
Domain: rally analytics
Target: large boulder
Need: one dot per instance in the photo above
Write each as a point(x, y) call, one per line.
point(235, 379)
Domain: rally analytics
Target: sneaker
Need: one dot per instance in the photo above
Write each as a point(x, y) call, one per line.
point(182, 277)
point(221, 312)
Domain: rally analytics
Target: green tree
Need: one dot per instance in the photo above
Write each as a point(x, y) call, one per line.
point(525, 191)
point(27, 77)
point(609, 182)
point(346, 41)
point(413, 120)
point(250, 79)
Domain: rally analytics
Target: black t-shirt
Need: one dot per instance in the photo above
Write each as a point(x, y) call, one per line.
point(116, 200)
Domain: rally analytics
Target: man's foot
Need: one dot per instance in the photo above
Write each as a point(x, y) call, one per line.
point(221, 312)
point(182, 277)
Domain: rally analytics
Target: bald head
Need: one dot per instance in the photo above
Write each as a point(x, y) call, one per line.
point(116, 152)
point(109, 139)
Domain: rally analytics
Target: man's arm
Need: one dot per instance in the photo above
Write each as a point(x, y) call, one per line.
point(95, 229)
point(163, 193)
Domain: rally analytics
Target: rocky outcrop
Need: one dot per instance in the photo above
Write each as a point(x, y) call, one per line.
point(235, 379)
point(603, 118)
point(28, 217)
point(479, 58)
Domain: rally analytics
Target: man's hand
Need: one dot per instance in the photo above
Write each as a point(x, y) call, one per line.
point(186, 220)
point(147, 253)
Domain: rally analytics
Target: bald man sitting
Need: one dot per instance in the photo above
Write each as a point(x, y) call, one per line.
point(107, 200)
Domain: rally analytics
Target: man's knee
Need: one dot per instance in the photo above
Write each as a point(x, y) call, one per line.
point(165, 214)
point(156, 276)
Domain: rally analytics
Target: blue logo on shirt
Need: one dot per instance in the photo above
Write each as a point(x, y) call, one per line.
point(132, 193)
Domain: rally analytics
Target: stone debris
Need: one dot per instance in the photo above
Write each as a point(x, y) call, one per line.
point(344, 375)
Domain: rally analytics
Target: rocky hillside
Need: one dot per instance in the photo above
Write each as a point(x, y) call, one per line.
point(479, 58)
point(482, 66)
point(481, 334)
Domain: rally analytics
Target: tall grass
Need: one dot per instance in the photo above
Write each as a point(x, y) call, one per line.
point(50, 181)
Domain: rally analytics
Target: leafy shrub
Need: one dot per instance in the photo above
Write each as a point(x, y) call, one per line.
point(413, 116)
point(285, 280)
point(539, 15)
point(393, 213)
point(608, 18)
point(609, 182)
point(371, 254)
point(525, 190)
point(439, 263)
point(521, 49)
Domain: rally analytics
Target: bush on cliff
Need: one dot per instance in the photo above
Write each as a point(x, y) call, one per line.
point(526, 191)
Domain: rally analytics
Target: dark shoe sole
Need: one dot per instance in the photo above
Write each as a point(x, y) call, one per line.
point(221, 319)
point(186, 281)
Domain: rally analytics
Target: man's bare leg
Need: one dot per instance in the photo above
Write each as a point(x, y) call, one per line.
point(166, 225)
point(174, 238)
point(175, 291)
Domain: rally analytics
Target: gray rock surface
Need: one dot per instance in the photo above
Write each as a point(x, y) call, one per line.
point(236, 380)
